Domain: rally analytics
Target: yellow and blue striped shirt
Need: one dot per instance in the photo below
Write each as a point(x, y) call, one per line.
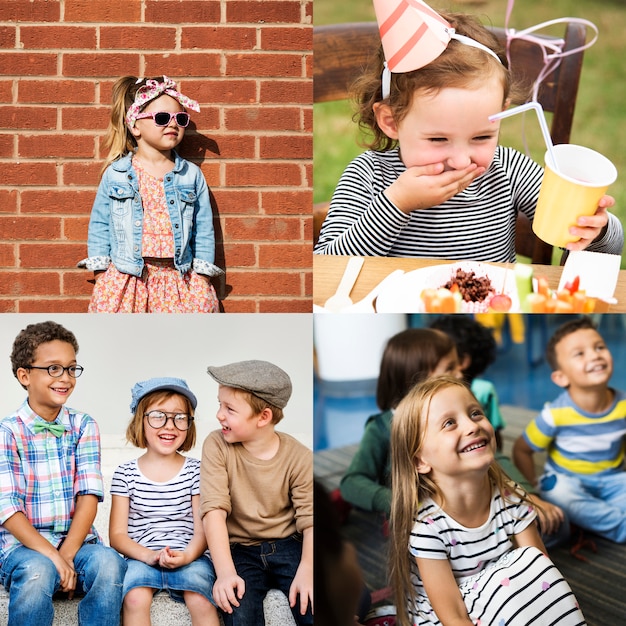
point(578, 442)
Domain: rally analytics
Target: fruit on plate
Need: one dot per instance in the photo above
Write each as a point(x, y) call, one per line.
point(570, 299)
point(441, 300)
point(500, 303)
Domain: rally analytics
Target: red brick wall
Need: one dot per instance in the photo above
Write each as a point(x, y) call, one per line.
point(247, 62)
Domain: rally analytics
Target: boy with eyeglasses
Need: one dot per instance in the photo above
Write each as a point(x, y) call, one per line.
point(256, 497)
point(50, 486)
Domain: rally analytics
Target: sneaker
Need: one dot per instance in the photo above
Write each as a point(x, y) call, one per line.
point(381, 616)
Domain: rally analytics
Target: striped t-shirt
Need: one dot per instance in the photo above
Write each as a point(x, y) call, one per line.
point(435, 535)
point(160, 514)
point(477, 224)
point(578, 442)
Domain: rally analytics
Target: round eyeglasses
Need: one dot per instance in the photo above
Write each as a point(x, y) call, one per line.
point(163, 118)
point(158, 419)
point(56, 371)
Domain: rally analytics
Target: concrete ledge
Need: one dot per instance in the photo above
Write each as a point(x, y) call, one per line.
point(164, 611)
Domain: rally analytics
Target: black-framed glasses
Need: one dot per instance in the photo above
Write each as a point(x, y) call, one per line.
point(163, 118)
point(56, 371)
point(158, 419)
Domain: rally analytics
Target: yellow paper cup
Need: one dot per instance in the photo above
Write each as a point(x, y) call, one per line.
point(582, 178)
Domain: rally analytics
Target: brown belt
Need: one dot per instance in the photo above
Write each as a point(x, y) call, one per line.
point(157, 262)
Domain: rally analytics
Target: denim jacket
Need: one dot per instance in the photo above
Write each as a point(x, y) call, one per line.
point(116, 223)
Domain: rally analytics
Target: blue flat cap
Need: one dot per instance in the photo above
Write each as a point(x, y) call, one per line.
point(145, 387)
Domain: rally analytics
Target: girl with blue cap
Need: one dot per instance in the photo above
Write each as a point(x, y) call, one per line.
point(154, 512)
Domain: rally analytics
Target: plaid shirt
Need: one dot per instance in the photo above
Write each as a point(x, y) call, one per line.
point(41, 475)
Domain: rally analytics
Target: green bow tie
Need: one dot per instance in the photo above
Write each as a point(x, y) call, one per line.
point(56, 429)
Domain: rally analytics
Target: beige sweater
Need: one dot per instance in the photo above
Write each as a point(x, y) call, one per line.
point(264, 499)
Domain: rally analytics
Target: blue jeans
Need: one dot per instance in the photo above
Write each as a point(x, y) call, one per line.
point(32, 579)
point(269, 565)
point(594, 502)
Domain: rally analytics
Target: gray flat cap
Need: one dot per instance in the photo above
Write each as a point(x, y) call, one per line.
point(261, 378)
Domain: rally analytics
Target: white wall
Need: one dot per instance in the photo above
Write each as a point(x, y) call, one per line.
point(119, 350)
point(349, 347)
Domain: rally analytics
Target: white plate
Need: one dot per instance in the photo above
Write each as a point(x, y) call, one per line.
point(403, 295)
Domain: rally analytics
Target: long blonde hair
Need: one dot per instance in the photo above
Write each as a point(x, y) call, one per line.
point(118, 140)
point(409, 488)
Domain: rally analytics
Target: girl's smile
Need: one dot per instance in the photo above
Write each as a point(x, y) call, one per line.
point(458, 437)
point(167, 439)
point(477, 445)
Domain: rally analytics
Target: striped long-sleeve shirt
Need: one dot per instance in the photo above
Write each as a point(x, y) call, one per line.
point(41, 475)
point(477, 224)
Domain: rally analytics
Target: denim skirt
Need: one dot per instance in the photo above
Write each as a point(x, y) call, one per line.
point(198, 576)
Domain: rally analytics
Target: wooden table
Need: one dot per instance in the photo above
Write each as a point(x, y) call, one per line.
point(328, 269)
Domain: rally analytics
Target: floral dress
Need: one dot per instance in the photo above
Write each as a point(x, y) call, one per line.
point(161, 288)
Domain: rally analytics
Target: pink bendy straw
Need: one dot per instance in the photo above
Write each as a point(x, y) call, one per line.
point(542, 123)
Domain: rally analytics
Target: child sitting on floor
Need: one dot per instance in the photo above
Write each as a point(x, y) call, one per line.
point(583, 432)
point(464, 546)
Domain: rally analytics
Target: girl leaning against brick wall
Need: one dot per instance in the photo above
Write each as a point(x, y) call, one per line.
point(151, 242)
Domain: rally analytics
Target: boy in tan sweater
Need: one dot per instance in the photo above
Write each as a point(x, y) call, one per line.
point(256, 497)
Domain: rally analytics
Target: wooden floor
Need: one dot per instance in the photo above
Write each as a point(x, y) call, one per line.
point(599, 582)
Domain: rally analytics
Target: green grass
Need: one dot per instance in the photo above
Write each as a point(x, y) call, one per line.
point(599, 118)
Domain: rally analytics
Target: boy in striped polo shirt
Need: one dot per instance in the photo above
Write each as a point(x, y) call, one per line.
point(583, 432)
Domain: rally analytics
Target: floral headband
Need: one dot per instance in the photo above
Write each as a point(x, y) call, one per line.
point(153, 89)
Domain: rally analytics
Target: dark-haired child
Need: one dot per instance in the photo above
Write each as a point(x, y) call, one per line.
point(583, 433)
point(50, 487)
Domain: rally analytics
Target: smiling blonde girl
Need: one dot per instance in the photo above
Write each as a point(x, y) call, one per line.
point(465, 548)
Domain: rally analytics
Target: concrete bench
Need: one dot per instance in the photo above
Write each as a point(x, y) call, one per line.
point(164, 611)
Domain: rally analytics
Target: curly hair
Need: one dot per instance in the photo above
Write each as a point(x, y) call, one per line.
point(459, 66)
point(471, 339)
point(31, 337)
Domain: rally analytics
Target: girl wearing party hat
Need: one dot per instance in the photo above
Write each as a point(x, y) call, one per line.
point(151, 243)
point(464, 545)
point(154, 507)
point(435, 182)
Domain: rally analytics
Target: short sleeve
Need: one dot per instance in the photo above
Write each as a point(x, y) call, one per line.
point(541, 431)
